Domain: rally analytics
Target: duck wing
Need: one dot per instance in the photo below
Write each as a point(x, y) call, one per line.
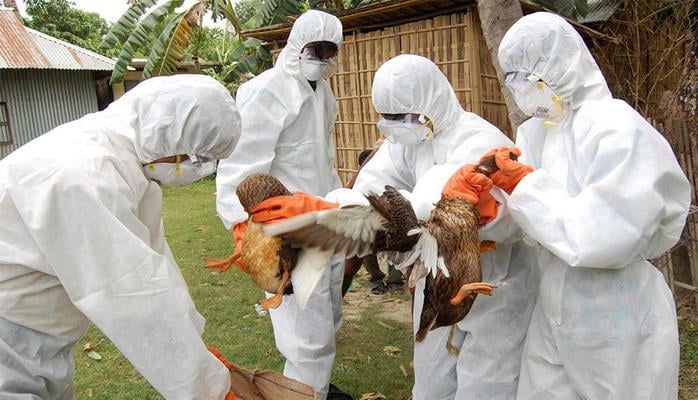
point(350, 230)
point(424, 258)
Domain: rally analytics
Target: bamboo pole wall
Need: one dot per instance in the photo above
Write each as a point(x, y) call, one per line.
point(453, 41)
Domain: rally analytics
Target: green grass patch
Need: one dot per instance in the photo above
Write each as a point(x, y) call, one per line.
point(227, 301)
point(688, 382)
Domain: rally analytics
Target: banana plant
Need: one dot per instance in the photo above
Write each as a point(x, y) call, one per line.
point(155, 28)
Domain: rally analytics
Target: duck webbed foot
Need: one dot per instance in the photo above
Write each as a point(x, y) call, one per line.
point(470, 289)
point(275, 300)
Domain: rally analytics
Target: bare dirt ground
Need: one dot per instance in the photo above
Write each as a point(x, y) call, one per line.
point(394, 305)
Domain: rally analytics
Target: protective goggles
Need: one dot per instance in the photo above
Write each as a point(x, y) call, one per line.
point(319, 51)
point(520, 79)
point(407, 118)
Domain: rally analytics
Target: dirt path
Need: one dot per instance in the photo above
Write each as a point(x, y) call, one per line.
point(396, 306)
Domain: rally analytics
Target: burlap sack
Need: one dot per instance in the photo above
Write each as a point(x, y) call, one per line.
point(268, 385)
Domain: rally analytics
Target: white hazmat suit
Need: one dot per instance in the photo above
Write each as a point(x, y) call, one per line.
point(81, 240)
point(287, 132)
point(606, 195)
point(491, 336)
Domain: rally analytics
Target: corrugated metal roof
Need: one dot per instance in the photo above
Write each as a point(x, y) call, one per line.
point(22, 47)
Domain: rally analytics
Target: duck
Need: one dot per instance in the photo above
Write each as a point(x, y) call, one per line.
point(266, 259)
point(444, 249)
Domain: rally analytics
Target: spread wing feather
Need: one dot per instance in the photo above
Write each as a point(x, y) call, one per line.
point(424, 257)
point(350, 230)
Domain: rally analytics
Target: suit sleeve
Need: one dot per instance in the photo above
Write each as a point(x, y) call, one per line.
point(263, 119)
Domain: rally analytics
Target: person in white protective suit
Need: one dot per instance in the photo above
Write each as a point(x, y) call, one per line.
point(428, 138)
point(81, 240)
point(288, 118)
point(606, 195)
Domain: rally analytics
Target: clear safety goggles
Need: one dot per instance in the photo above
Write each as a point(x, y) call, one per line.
point(319, 51)
point(518, 81)
point(407, 118)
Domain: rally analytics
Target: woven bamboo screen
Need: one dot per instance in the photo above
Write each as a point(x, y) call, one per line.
point(454, 42)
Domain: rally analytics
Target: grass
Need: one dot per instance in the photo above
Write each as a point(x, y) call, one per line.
point(227, 301)
point(688, 382)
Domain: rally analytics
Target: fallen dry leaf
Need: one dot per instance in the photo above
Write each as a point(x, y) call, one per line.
point(385, 325)
point(402, 368)
point(372, 396)
point(392, 351)
point(89, 350)
point(94, 355)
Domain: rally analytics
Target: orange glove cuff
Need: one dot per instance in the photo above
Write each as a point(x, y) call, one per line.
point(239, 231)
point(231, 396)
point(219, 356)
point(488, 208)
point(282, 207)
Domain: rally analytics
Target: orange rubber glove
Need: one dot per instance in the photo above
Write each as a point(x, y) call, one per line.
point(222, 265)
point(475, 188)
point(219, 356)
point(510, 172)
point(228, 364)
point(281, 207)
point(238, 234)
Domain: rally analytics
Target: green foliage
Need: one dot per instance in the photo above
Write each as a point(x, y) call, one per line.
point(139, 38)
point(126, 24)
point(276, 11)
point(576, 9)
point(60, 19)
point(168, 49)
point(240, 59)
point(245, 10)
point(568, 8)
point(351, 4)
point(168, 39)
point(205, 42)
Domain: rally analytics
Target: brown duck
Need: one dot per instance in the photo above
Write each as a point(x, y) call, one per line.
point(267, 260)
point(445, 249)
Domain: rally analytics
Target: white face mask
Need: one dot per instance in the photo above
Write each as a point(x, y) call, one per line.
point(183, 173)
point(407, 133)
point(534, 97)
point(315, 70)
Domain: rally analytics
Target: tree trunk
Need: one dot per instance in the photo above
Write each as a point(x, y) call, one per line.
point(496, 17)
